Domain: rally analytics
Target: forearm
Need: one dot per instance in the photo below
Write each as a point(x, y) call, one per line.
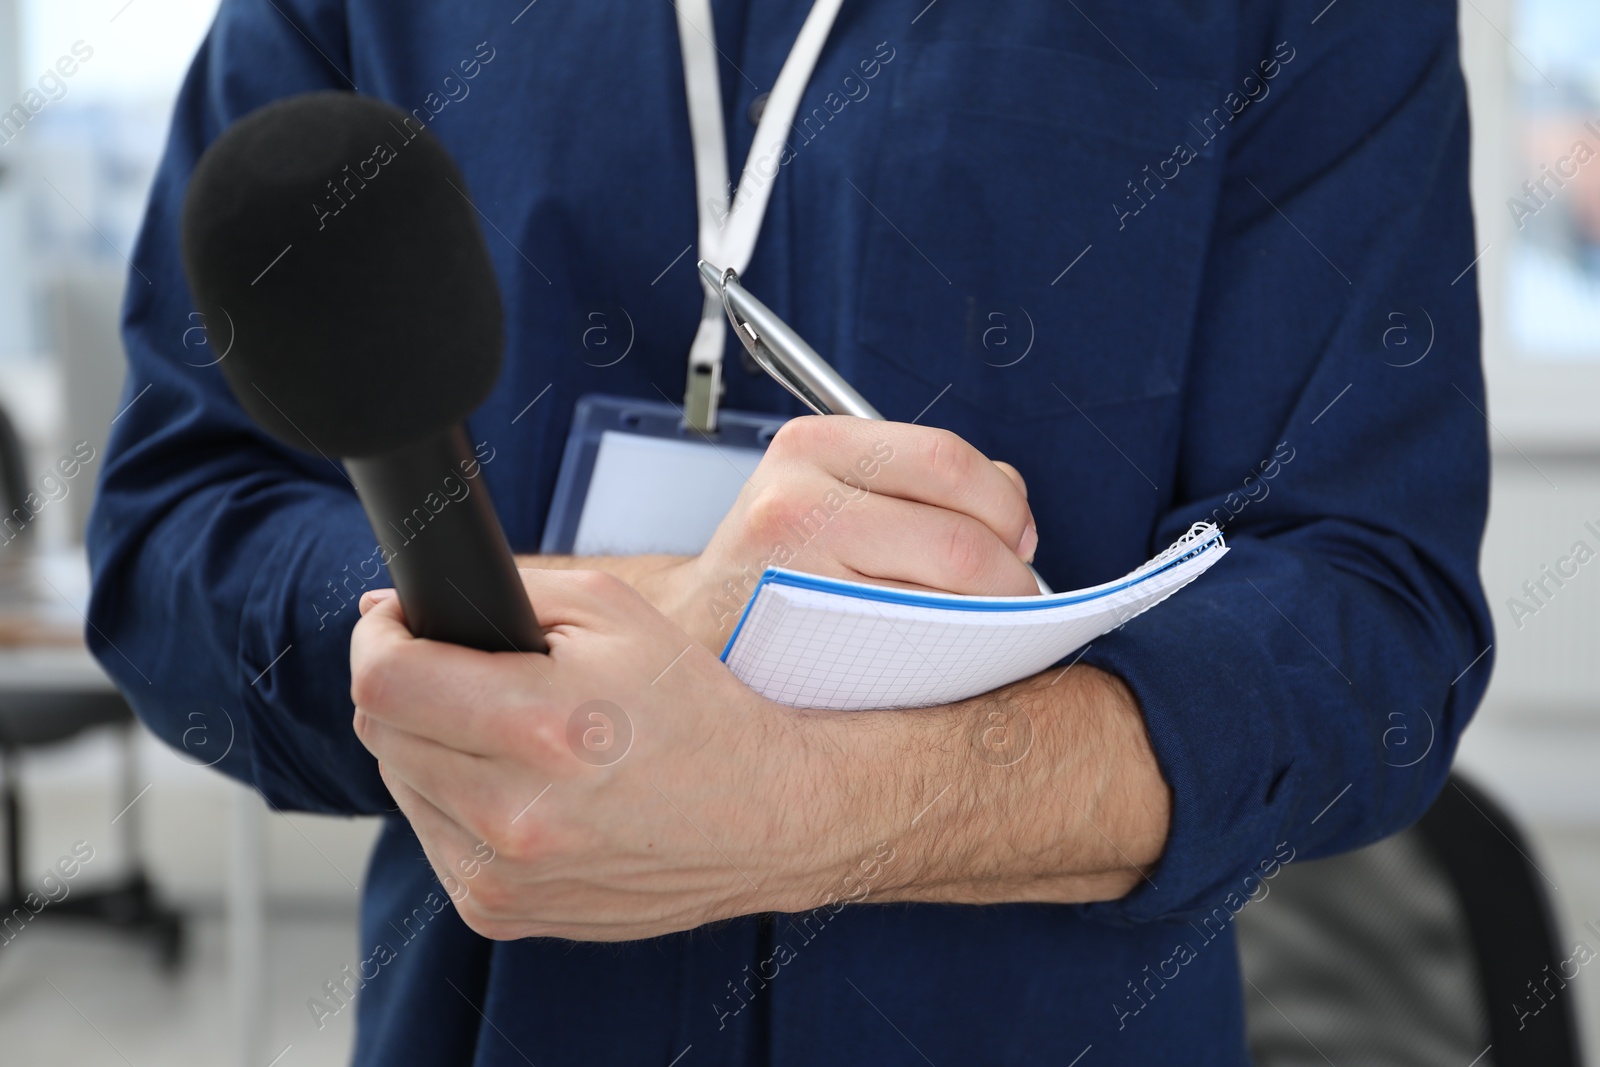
point(1046, 790)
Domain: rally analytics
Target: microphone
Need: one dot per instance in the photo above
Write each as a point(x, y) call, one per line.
point(332, 251)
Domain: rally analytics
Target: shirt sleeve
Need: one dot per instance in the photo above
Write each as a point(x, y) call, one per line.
point(225, 566)
point(1305, 696)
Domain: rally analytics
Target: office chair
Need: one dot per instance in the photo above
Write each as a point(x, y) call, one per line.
point(1434, 946)
point(35, 714)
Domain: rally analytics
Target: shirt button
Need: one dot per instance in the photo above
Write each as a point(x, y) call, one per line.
point(757, 107)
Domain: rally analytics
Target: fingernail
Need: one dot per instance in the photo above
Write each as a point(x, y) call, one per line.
point(1030, 541)
point(373, 597)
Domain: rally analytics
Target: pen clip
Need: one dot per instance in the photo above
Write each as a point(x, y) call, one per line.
point(745, 331)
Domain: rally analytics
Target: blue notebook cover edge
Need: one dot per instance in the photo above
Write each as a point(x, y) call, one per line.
point(885, 595)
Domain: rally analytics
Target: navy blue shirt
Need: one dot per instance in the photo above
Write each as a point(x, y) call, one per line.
point(1177, 260)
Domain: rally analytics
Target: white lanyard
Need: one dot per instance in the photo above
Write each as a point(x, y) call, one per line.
point(727, 234)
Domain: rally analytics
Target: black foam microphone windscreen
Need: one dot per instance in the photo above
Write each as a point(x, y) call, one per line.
point(332, 250)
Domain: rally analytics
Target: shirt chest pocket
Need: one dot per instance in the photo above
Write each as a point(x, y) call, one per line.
point(996, 258)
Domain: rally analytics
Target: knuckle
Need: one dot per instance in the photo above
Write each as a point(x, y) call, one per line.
point(799, 436)
point(521, 846)
point(525, 842)
point(589, 581)
point(946, 455)
point(765, 503)
point(967, 549)
point(771, 507)
point(478, 815)
point(490, 900)
point(599, 585)
point(371, 678)
point(541, 741)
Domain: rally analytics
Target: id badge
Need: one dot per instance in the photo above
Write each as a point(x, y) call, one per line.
point(634, 480)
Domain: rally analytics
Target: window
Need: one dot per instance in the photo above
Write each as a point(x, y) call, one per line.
point(1533, 75)
point(1553, 278)
point(80, 141)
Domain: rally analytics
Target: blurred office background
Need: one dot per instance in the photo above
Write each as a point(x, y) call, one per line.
point(269, 900)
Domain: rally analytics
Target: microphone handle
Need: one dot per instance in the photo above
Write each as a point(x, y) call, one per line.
point(449, 558)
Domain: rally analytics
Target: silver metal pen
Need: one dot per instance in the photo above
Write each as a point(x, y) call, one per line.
point(785, 356)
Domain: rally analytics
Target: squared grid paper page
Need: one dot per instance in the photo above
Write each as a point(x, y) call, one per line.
point(835, 648)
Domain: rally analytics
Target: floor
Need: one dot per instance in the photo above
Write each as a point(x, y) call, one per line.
point(76, 997)
point(80, 997)
point(1570, 859)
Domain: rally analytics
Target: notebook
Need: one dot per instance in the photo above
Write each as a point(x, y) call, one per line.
point(815, 642)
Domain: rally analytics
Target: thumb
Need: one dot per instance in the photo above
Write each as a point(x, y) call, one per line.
point(373, 597)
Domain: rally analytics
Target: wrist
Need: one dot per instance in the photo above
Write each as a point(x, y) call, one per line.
point(863, 787)
point(826, 807)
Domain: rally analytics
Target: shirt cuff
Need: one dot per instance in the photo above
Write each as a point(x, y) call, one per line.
point(1215, 709)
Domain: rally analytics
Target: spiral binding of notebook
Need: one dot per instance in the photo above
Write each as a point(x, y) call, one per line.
point(817, 642)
